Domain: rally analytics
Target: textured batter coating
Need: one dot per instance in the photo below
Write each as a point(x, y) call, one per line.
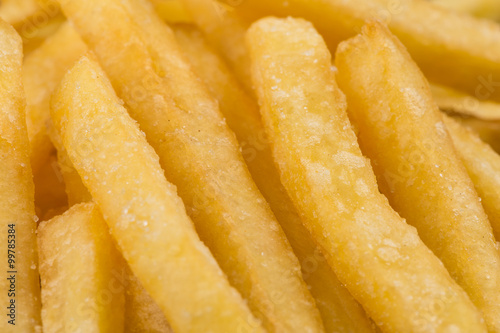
point(81, 273)
point(339, 311)
point(483, 165)
point(452, 49)
point(43, 69)
point(380, 258)
point(201, 156)
point(19, 287)
point(144, 213)
point(401, 131)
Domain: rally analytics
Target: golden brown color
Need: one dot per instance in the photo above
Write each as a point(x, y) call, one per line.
point(81, 273)
point(374, 252)
point(201, 156)
point(339, 311)
point(145, 215)
point(17, 209)
point(416, 166)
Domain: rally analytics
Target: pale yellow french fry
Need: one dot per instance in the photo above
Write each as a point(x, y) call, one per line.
point(201, 156)
point(16, 11)
point(380, 258)
point(481, 8)
point(142, 313)
point(226, 32)
point(339, 311)
point(401, 131)
point(483, 165)
point(171, 11)
point(81, 273)
point(43, 69)
point(452, 49)
point(143, 211)
point(19, 289)
point(451, 100)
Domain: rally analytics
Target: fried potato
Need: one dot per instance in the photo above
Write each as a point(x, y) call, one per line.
point(483, 165)
point(201, 156)
point(481, 8)
point(451, 49)
point(81, 273)
point(20, 292)
point(339, 311)
point(454, 101)
point(171, 11)
point(143, 211)
point(43, 69)
point(226, 32)
point(142, 314)
point(374, 252)
point(416, 166)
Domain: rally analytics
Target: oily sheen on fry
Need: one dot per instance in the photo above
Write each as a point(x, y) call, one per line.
point(201, 156)
point(380, 258)
point(401, 131)
point(144, 213)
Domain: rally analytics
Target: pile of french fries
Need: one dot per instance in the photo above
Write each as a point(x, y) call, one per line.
point(250, 166)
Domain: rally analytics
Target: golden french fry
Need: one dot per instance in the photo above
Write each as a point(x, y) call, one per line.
point(145, 215)
point(374, 252)
point(81, 273)
point(483, 165)
point(226, 32)
point(481, 8)
point(43, 69)
point(171, 11)
point(19, 289)
point(201, 156)
point(451, 49)
point(16, 11)
point(451, 100)
point(401, 131)
point(339, 311)
point(142, 314)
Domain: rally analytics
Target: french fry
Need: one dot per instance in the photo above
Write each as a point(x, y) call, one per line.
point(226, 32)
point(143, 211)
point(481, 8)
point(416, 166)
point(171, 11)
point(483, 165)
point(201, 156)
point(380, 258)
point(19, 289)
point(451, 100)
point(142, 314)
point(339, 311)
point(43, 69)
point(81, 273)
point(451, 49)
